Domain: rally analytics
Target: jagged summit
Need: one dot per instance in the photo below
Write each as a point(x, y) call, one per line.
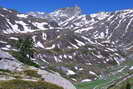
point(58, 15)
point(69, 11)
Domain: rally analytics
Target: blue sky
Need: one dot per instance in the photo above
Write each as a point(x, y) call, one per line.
point(88, 6)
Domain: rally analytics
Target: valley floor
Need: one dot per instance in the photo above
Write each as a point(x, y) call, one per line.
point(120, 75)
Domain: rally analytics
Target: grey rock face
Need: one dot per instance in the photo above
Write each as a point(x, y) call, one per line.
point(7, 62)
point(5, 55)
point(56, 79)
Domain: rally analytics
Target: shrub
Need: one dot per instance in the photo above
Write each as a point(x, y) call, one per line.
point(32, 73)
point(128, 86)
point(8, 71)
point(17, 77)
point(23, 59)
point(25, 51)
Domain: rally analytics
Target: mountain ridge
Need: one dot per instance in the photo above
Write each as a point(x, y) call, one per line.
point(73, 44)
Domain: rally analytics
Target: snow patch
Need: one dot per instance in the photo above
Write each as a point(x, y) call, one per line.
point(52, 47)
point(70, 72)
point(90, 72)
point(13, 38)
point(39, 44)
point(79, 43)
point(86, 80)
point(40, 25)
point(22, 15)
point(131, 68)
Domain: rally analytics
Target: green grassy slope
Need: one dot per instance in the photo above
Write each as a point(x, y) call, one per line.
point(103, 84)
point(22, 84)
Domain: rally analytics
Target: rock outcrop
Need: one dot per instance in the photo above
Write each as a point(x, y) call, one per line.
point(8, 62)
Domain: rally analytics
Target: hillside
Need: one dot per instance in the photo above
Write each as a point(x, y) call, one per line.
point(80, 47)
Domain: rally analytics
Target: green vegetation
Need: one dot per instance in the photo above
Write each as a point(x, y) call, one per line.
point(8, 71)
point(103, 84)
point(22, 84)
point(26, 51)
point(25, 74)
point(5, 72)
point(128, 84)
point(25, 46)
point(90, 85)
point(32, 73)
point(23, 59)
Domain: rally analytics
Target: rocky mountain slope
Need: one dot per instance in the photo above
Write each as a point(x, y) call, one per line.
point(11, 69)
point(76, 45)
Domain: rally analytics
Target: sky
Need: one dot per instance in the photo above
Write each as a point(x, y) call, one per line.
point(87, 6)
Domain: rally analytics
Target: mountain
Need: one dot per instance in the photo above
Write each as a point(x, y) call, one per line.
point(108, 24)
point(76, 45)
point(58, 15)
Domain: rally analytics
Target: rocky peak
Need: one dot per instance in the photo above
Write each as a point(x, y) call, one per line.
point(38, 14)
point(58, 15)
point(69, 11)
